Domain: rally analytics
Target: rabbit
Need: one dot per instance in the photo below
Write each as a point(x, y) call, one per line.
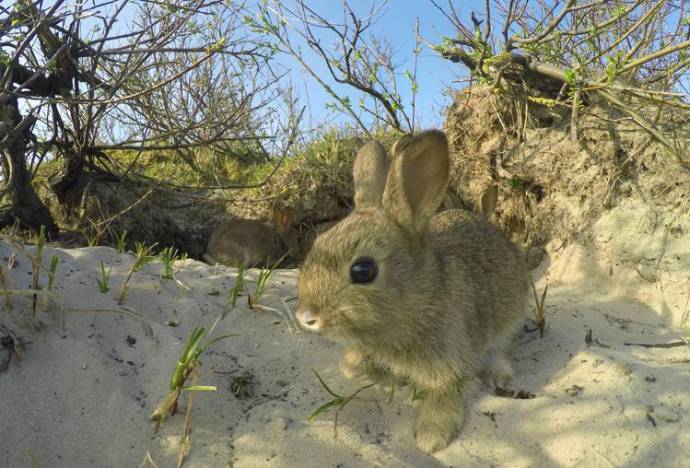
point(485, 204)
point(249, 241)
point(430, 298)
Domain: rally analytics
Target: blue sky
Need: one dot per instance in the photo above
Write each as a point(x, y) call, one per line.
point(397, 24)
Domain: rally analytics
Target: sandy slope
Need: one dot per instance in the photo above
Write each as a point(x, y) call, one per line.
point(82, 396)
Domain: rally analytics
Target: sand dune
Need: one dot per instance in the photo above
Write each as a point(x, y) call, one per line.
point(82, 396)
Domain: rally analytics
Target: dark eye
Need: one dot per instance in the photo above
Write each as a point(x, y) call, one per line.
point(363, 271)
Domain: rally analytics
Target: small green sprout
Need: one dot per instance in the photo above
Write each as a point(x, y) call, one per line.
point(91, 236)
point(237, 289)
point(262, 282)
point(51, 273)
point(168, 256)
point(143, 256)
point(261, 286)
point(32, 458)
point(614, 63)
point(104, 279)
point(339, 402)
point(539, 311)
point(94, 233)
point(36, 265)
point(122, 241)
point(51, 280)
point(187, 363)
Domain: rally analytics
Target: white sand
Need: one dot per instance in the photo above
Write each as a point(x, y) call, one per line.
point(82, 396)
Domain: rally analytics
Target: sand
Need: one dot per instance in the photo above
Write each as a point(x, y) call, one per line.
point(82, 395)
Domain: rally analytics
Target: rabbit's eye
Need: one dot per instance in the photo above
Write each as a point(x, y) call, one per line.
point(363, 271)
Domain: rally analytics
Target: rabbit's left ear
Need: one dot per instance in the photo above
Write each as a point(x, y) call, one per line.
point(369, 173)
point(417, 180)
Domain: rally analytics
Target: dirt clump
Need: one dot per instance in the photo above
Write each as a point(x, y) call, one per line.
point(551, 187)
point(103, 206)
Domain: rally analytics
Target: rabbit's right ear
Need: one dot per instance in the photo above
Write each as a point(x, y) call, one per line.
point(370, 172)
point(401, 143)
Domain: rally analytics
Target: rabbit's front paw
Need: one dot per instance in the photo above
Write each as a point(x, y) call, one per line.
point(351, 365)
point(357, 366)
point(439, 417)
point(433, 433)
point(498, 370)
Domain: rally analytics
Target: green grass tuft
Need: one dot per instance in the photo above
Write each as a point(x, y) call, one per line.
point(238, 289)
point(122, 241)
point(195, 345)
point(51, 273)
point(168, 256)
point(104, 278)
point(143, 256)
point(338, 402)
point(262, 282)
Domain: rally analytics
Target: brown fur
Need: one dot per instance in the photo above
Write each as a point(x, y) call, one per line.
point(449, 293)
point(485, 205)
point(249, 241)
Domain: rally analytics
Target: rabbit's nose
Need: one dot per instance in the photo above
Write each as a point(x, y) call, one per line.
point(308, 320)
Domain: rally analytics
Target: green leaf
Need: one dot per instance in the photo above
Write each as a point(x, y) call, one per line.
point(331, 392)
point(570, 76)
point(201, 388)
point(207, 345)
point(322, 409)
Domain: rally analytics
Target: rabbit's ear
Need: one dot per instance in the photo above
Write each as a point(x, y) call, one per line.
point(370, 172)
point(417, 180)
point(487, 201)
point(401, 143)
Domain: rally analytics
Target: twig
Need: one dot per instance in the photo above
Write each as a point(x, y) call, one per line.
point(574, 115)
point(185, 442)
point(672, 344)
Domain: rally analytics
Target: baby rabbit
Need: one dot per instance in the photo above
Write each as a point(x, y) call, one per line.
point(249, 241)
point(430, 298)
